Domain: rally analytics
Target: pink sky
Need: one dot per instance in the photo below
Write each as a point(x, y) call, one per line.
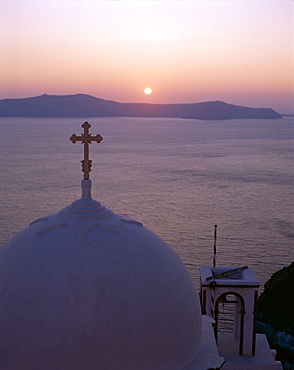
point(237, 51)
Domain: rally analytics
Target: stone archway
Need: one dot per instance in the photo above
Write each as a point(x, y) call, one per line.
point(239, 316)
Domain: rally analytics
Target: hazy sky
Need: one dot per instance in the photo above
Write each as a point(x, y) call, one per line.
point(238, 51)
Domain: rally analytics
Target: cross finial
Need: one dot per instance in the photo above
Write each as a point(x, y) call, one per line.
point(86, 139)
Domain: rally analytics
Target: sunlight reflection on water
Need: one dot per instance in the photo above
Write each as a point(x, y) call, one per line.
point(179, 177)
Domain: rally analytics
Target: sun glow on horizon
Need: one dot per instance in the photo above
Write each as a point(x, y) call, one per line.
point(147, 90)
point(193, 50)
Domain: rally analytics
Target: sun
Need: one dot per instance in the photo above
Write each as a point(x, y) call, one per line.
point(147, 90)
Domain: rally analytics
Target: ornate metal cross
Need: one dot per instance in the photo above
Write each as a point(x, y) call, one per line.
point(86, 139)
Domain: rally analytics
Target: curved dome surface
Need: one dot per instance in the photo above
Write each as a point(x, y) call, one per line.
point(85, 288)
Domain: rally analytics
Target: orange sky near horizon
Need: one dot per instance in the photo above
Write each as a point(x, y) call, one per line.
point(237, 51)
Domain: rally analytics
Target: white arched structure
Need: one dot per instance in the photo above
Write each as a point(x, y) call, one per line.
point(241, 283)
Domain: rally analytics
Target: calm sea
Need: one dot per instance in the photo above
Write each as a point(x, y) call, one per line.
point(178, 177)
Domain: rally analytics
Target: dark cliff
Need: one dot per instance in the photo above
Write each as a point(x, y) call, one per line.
point(276, 303)
point(276, 314)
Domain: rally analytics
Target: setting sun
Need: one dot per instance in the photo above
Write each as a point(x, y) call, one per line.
point(147, 90)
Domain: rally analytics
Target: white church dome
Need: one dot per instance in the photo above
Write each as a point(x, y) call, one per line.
point(86, 288)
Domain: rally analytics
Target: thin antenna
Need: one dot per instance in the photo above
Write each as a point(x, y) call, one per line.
point(214, 251)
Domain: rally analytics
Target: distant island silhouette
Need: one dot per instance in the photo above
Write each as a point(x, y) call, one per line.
point(82, 105)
